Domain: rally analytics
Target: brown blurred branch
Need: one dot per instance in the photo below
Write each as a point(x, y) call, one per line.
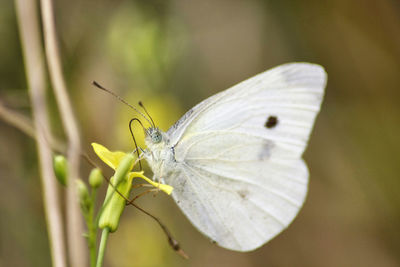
point(34, 67)
point(25, 125)
point(19, 121)
point(76, 243)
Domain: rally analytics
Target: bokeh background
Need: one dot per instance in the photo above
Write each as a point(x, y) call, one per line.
point(171, 54)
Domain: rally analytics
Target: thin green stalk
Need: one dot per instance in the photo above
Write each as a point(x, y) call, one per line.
point(102, 247)
point(92, 228)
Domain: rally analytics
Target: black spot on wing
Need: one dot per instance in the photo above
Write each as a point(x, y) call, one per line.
point(271, 122)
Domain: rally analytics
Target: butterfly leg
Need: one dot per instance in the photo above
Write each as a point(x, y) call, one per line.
point(159, 180)
point(141, 194)
point(140, 157)
point(141, 185)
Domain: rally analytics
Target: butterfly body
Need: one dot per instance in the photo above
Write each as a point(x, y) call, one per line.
point(159, 154)
point(235, 159)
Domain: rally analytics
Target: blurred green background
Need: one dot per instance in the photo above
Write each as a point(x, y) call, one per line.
point(171, 54)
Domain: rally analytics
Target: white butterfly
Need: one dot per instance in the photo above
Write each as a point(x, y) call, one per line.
point(234, 160)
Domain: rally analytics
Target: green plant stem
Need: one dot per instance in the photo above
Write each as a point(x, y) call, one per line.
point(102, 247)
point(92, 228)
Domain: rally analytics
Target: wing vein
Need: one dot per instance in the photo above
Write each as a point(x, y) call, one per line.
point(292, 178)
point(281, 196)
point(209, 205)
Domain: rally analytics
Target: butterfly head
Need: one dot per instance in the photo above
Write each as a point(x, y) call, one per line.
point(156, 143)
point(154, 135)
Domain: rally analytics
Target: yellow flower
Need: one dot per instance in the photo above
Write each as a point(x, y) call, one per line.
point(113, 160)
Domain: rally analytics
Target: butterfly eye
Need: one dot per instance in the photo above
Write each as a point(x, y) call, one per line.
point(156, 137)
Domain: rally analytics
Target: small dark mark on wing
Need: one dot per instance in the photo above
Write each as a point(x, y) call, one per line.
point(271, 122)
point(243, 193)
point(173, 153)
point(265, 152)
point(183, 183)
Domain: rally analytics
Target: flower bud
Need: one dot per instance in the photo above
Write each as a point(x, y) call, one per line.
point(114, 203)
point(95, 178)
point(60, 167)
point(124, 167)
point(83, 195)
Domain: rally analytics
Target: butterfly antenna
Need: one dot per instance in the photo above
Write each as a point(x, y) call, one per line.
point(133, 137)
point(120, 99)
point(171, 241)
point(142, 106)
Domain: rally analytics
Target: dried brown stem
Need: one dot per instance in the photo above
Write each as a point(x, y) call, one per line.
point(25, 125)
point(34, 67)
point(76, 243)
point(18, 120)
